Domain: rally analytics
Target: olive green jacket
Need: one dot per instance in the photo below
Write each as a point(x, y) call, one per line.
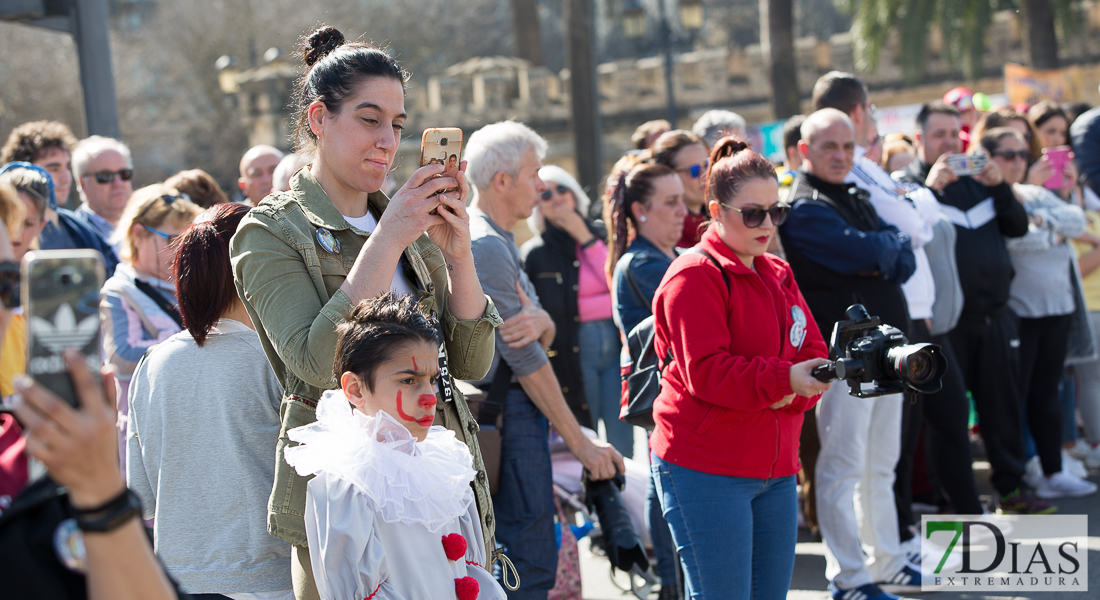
point(290, 287)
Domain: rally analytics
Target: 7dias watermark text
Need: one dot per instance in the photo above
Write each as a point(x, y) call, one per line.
point(1008, 553)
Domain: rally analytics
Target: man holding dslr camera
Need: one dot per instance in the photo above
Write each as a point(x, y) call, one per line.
point(842, 253)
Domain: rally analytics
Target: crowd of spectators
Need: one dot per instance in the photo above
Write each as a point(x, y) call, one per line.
point(239, 336)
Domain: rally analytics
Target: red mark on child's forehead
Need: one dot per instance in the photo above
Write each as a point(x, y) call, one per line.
point(415, 368)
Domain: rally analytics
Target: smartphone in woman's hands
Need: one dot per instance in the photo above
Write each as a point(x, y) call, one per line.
point(442, 145)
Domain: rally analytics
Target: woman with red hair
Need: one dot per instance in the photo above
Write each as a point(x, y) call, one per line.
point(742, 344)
point(204, 422)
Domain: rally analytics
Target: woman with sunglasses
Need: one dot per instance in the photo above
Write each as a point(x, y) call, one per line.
point(686, 154)
point(303, 258)
point(565, 260)
point(729, 415)
point(1043, 296)
point(138, 303)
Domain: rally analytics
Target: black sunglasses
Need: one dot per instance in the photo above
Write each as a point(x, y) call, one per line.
point(754, 217)
point(560, 189)
point(1013, 154)
point(106, 177)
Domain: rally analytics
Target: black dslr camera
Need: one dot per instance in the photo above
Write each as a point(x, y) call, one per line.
point(620, 540)
point(863, 350)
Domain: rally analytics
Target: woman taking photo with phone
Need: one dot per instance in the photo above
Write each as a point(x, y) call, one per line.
point(728, 419)
point(303, 258)
point(1042, 295)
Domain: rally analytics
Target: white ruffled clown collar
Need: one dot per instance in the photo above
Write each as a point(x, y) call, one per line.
point(411, 482)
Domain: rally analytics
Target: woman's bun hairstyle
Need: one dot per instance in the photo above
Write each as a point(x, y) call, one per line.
point(732, 162)
point(335, 67)
point(728, 146)
point(320, 43)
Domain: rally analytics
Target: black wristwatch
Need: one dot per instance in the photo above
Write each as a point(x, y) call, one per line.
point(111, 515)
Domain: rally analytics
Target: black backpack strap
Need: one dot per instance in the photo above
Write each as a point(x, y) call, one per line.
point(166, 306)
point(714, 261)
point(634, 288)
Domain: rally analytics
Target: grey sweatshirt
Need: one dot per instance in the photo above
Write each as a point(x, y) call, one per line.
point(1043, 259)
point(203, 427)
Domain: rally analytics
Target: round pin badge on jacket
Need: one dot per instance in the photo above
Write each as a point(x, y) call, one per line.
point(328, 241)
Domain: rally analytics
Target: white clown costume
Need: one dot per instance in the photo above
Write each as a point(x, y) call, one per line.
point(388, 517)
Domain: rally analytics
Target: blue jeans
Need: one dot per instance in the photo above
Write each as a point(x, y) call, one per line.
point(599, 356)
point(664, 554)
point(735, 535)
point(524, 504)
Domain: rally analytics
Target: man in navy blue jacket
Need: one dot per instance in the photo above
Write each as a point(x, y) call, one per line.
point(842, 253)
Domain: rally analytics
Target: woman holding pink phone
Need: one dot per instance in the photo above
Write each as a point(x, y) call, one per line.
point(1054, 170)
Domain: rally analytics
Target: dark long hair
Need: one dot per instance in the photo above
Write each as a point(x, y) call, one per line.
point(335, 67)
point(375, 329)
point(632, 187)
point(204, 276)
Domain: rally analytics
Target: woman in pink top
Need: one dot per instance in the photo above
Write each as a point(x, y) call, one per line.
point(565, 262)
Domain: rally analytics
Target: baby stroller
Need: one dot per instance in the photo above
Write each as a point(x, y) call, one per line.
point(625, 541)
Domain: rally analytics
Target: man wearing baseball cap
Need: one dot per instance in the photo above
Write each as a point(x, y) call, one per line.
point(963, 101)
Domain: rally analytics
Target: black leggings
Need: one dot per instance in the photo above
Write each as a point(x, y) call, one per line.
point(1043, 345)
point(944, 416)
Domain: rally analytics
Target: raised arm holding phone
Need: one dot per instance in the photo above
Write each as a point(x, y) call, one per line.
point(303, 258)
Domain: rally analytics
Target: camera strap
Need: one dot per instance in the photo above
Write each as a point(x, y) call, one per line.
point(159, 299)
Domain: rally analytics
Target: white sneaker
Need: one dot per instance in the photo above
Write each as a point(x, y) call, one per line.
point(1080, 449)
point(1074, 466)
point(1033, 472)
point(1092, 459)
point(1064, 485)
point(911, 550)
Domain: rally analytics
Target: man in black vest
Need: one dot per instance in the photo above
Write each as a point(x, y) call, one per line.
point(984, 211)
point(842, 253)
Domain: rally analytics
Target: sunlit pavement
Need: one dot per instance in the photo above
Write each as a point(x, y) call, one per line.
point(808, 582)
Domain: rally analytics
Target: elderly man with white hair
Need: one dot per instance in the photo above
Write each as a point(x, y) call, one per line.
point(257, 172)
point(503, 162)
point(104, 171)
point(714, 125)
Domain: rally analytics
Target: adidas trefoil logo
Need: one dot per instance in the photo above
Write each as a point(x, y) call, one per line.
point(64, 332)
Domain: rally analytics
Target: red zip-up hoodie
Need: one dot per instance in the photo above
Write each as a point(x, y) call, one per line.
point(738, 346)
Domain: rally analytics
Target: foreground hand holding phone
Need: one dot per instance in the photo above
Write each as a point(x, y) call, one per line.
point(79, 448)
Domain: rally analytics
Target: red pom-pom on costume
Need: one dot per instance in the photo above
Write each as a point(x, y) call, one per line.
point(455, 546)
point(466, 588)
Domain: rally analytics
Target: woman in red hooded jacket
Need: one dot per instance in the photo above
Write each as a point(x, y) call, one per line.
point(743, 342)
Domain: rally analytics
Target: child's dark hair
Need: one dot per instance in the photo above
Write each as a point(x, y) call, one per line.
point(375, 329)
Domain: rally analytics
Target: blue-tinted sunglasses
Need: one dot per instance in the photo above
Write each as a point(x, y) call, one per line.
point(696, 170)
